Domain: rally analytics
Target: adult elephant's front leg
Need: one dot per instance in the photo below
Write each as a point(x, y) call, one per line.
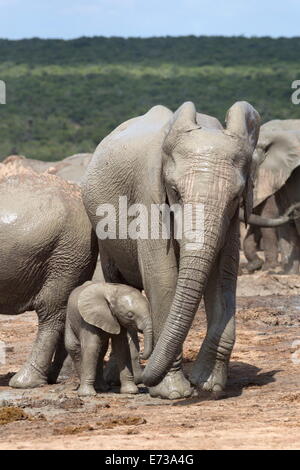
point(210, 370)
point(159, 270)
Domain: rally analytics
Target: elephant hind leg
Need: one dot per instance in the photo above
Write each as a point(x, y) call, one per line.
point(270, 246)
point(73, 348)
point(50, 306)
point(61, 366)
point(289, 248)
point(269, 236)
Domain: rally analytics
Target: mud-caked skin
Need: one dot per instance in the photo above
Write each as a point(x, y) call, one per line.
point(47, 248)
point(276, 189)
point(70, 168)
point(96, 312)
point(179, 158)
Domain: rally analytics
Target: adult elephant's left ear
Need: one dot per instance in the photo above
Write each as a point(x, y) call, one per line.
point(243, 121)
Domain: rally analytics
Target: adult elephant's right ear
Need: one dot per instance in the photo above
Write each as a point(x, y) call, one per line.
point(94, 309)
point(243, 121)
point(184, 120)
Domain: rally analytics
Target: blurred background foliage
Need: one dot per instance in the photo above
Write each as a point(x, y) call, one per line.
point(63, 97)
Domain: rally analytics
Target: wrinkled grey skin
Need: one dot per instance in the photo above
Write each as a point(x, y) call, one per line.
point(184, 157)
point(71, 168)
point(97, 311)
point(278, 178)
point(47, 248)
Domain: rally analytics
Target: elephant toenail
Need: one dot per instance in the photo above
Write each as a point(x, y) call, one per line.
point(174, 395)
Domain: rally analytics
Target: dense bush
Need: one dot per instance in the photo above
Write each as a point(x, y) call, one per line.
point(63, 97)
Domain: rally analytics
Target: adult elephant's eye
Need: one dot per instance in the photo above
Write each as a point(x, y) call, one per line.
point(130, 315)
point(176, 194)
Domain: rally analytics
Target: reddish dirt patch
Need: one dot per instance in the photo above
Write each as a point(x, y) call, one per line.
point(260, 409)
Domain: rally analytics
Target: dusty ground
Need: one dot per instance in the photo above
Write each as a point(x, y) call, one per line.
point(261, 408)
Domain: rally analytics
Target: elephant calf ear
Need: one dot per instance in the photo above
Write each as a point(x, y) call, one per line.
point(94, 310)
point(244, 121)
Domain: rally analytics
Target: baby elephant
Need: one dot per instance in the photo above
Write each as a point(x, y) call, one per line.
point(97, 311)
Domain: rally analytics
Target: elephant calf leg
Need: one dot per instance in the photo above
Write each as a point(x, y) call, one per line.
point(122, 353)
point(100, 383)
point(91, 348)
point(73, 348)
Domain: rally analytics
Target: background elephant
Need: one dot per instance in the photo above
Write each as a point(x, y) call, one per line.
point(47, 248)
point(97, 311)
point(71, 168)
point(263, 238)
point(276, 188)
point(183, 158)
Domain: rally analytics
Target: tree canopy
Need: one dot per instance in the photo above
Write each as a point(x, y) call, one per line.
point(63, 97)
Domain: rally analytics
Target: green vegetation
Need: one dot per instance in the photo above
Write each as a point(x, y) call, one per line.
point(63, 97)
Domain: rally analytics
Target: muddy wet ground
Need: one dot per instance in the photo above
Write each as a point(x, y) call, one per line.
point(260, 410)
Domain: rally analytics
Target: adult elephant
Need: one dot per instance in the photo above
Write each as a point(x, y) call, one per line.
point(47, 248)
point(276, 188)
point(183, 158)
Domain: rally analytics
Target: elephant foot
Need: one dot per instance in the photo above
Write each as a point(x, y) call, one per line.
point(101, 386)
point(130, 388)
point(28, 377)
point(268, 265)
point(210, 377)
point(291, 270)
point(254, 265)
point(138, 375)
point(86, 391)
point(173, 386)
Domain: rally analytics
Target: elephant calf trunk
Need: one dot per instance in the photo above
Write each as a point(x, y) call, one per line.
point(148, 342)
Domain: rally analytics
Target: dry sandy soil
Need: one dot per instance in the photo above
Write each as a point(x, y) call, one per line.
point(260, 410)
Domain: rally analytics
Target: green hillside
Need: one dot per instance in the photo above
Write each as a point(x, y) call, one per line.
point(63, 97)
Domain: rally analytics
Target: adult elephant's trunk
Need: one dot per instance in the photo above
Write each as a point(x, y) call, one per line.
point(148, 340)
point(193, 273)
